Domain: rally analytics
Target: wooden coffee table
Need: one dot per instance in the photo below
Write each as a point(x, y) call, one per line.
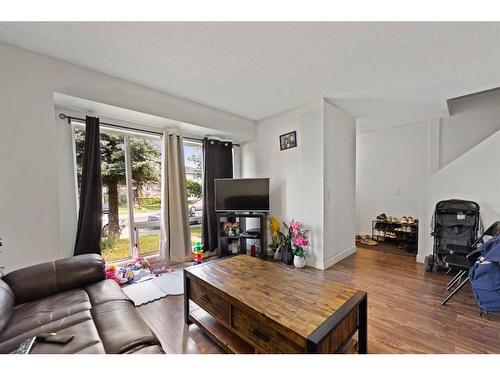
point(247, 304)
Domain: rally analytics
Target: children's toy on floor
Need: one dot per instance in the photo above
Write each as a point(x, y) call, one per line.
point(139, 263)
point(198, 253)
point(141, 269)
point(111, 273)
point(126, 274)
point(120, 275)
point(160, 267)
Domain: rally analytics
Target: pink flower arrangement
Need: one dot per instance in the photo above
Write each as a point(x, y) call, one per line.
point(300, 241)
point(298, 236)
point(295, 226)
point(293, 237)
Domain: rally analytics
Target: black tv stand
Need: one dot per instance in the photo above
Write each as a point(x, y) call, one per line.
point(241, 241)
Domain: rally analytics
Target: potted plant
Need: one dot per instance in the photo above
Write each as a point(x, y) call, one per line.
point(231, 229)
point(299, 257)
point(275, 245)
point(299, 242)
point(287, 252)
point(236, 228)
point(286, 245)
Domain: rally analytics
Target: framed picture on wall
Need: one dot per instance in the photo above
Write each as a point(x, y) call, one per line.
point(288, 140)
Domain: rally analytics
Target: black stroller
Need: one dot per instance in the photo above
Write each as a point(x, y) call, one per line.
point(455, 224)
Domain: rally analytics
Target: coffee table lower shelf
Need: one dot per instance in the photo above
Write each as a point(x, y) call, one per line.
point(230, 342)
point(226, 339)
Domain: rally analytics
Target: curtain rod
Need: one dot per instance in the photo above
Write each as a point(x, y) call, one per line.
point(63, 116)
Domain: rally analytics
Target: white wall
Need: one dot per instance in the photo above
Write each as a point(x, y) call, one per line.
point(313, 182)
point(406, 170)
point(68, 206)
point(473, 176)
point(31, 224)
point(296, 178)
point(474, 118)
point(391, 166)
point(339, 184)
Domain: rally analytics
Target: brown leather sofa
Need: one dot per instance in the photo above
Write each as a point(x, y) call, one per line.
point(71, 297)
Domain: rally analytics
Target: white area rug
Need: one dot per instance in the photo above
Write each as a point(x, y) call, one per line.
point(170, 283)
point(156, 288)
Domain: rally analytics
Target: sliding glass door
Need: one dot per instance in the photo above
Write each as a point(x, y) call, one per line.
point(131, 194)
point(193, 160)
point(145, 160)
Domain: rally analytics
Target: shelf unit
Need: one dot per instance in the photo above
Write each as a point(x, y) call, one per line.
point(243, 240)
point(404, 237)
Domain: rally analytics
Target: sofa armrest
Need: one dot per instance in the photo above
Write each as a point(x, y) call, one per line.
point(49, 278)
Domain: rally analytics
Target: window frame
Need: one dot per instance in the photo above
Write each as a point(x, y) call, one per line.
point(194, 143)
point(126, 134)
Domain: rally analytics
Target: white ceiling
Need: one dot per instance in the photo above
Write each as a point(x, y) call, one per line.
point(385, 74)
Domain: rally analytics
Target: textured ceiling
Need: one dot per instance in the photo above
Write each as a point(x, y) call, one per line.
point(383, 73)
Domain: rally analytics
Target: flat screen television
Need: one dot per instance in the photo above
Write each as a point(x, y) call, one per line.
point(242, 194)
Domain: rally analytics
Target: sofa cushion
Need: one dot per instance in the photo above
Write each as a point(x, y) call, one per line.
point(6, 304)
point(121, 327)
point(86, 341)
point(49, 278)
point(31, 315)
point(13, 342)
point(105, 291)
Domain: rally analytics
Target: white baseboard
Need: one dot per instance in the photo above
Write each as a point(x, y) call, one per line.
point(421, 258)
point(337, 258)
point(315, 264)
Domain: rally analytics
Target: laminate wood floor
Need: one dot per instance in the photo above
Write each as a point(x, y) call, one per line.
point(404, 311)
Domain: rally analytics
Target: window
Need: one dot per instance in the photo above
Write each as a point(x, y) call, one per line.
point(193, 161)
point(131, 194)
point(145, 156)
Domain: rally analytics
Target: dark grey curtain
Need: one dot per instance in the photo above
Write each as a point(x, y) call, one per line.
point(88, 235)
point(218, 163)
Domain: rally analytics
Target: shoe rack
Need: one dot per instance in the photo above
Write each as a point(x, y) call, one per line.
point(404, 235)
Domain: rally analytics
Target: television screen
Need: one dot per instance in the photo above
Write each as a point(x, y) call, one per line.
point(242, 194)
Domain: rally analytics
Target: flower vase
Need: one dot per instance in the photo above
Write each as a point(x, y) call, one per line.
point(299, 262)
point(278, 254)
point(288, 256)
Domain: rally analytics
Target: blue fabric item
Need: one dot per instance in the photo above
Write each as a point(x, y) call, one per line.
point(484, 276)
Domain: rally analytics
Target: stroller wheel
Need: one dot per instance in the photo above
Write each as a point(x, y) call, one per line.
point(429, 263)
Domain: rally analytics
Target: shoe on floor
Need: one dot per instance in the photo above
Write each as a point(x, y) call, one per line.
point(366, 240)
point(382, 217)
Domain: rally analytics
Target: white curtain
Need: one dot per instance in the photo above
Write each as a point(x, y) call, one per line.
point(175, 234)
